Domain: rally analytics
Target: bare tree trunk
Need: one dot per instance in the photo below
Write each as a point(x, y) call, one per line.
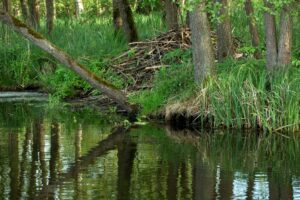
point(34, 17)
point(285, 38)
point(98, 83)
point(7, 6)
point(203, 56)
point(117, 20)
point(224, 37)
point(127, 19)
point(24, 10)
point(79, 8)
point(271, 41)
point(253, 28)
point(171, 10)
point(49, 15)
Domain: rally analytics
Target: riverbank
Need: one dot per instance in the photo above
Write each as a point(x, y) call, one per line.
point(241, 95)
point(158, 75)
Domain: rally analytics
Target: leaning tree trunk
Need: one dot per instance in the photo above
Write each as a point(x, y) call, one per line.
point(49, 15)
point(224, 37)
point(285, 38)
point(34, 17)
point(98, 83)
point(252, 28)
point(127, 20)
point(78, 8)
point(117, 20)
point(24, 10)
point(271, 41)
point(7, 6)
point(171, 10)
point(203, 56)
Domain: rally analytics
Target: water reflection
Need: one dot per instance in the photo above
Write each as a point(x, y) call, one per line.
point(52, 157)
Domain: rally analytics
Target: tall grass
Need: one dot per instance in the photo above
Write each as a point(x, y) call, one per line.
point(239, 97)
point(92, 43)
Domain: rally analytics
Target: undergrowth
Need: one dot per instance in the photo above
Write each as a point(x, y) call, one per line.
point(243, 95)
point(92, 43)
point(172, 82)
point(240, 95)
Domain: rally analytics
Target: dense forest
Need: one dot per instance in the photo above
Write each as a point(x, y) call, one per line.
point(213, 63)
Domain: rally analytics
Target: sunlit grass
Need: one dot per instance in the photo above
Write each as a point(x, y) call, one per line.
point(92, 43)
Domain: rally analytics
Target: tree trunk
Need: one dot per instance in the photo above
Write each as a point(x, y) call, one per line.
point(24, 10)
point(127, 19)
point(285, 38)
point(117, 20)
point(34, 17)
point(203, 57)
point(98, 83)
point(7, 6)
point(49, 15)
point(252, 28)
point(171, 10)
point(224, 37)
point(271, 44)
point(78, 8)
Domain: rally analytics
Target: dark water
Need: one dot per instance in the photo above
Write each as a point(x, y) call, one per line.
point(67, 154)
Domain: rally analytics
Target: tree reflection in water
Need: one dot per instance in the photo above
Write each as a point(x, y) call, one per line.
point(56, 158)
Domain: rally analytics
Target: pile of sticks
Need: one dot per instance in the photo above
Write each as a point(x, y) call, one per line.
point(138, 64)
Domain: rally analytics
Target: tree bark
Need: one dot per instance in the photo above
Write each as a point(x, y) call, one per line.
point(203, 57)
point(224, 37)
point(271, 41)
point(7, 6)
point(117, 20)
point(34, 17)
point(98, 83)
point(285, 38)
point(171, 10)
point(253, 28)
point(79, 8)
point(49, 15)
point(127, 19)
point(24, 10)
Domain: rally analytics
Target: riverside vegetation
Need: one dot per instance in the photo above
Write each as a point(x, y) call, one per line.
point(242, 93)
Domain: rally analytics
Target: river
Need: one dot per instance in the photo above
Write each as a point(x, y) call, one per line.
point(67, 153)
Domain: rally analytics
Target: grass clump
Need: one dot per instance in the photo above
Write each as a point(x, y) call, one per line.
point(243, 95)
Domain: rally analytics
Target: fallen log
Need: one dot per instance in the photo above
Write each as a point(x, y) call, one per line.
point(105, 87)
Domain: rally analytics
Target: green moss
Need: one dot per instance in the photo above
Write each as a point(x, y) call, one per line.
point(35, 34)
point(18, 23)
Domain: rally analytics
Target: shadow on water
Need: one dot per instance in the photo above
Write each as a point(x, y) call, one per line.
point(67, 154)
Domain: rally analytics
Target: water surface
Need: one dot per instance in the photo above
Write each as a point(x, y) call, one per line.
point(62, 153)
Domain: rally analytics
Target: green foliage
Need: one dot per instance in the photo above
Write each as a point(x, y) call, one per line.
point(239, 96)
point(92, 43)
point(174, 82)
